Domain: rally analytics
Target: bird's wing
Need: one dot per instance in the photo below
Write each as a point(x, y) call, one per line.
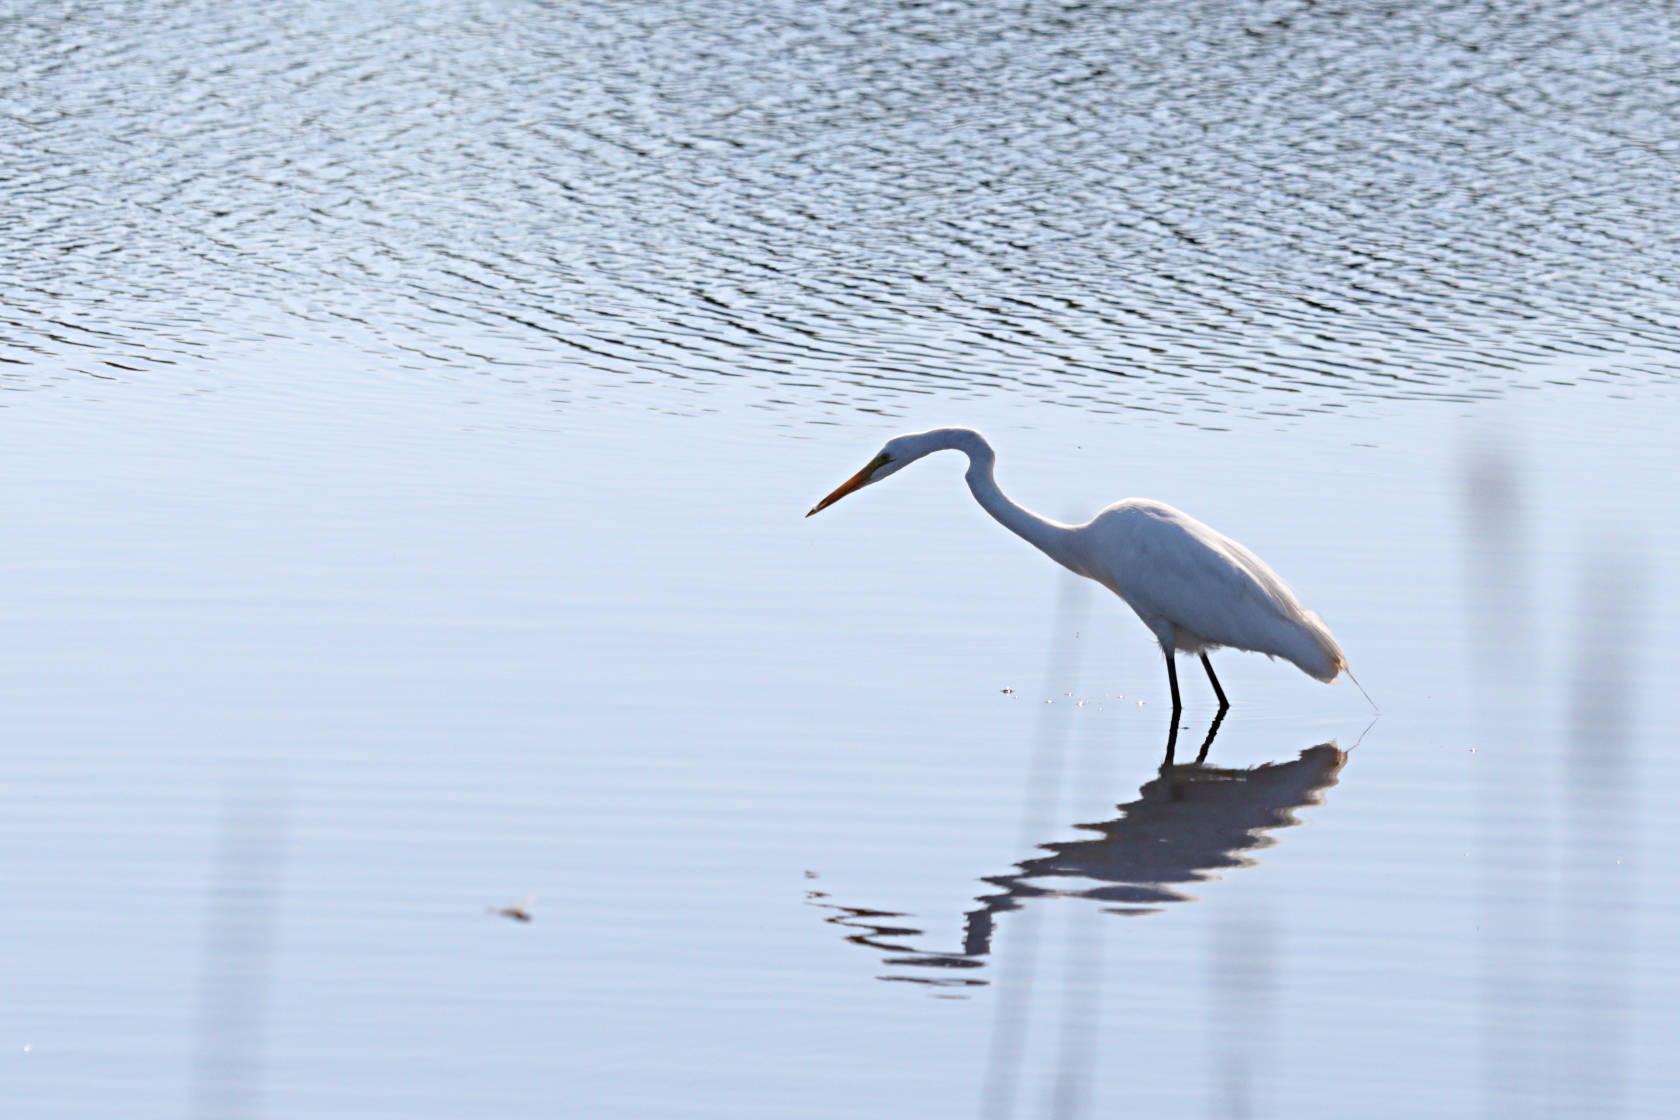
point(1170, 567)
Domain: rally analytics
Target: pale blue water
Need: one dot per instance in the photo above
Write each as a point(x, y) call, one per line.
point(412, 422)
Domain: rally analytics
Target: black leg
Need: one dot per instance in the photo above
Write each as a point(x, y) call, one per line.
point(1178, 709)
point(1212, 731)
point(1217, 691)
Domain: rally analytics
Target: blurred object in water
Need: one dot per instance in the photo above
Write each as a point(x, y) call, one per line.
point(1044, 779)
point(1242, 990)
point(1076, 1039)
point(1498, 566)
point(1600, 833)
point(1512, 920)
point(236, 967)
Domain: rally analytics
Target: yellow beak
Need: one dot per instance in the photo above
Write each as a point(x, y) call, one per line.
point(857, 482)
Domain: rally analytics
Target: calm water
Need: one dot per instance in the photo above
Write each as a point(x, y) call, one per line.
point(411, 413)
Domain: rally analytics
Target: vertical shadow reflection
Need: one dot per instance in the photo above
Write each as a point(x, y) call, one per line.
point(1188, 824)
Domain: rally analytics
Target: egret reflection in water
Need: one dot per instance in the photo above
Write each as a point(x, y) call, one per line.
point(1188, 824)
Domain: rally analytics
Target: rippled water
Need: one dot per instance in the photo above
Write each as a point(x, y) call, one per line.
point(412, 412)
point(1198, 208)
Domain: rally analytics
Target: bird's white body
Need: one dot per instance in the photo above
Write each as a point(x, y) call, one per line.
point(1195, 588)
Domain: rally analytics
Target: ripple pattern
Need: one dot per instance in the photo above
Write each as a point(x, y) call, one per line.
point(1185, 207)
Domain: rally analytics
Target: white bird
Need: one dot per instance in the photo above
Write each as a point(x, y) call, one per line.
point(1195, 588)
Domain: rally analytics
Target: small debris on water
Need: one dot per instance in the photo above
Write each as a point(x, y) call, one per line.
point(519, 911)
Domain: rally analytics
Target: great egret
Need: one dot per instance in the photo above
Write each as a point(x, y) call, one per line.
point(1195, 588)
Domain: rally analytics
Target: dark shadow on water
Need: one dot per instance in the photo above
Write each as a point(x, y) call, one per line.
point(1189, 823)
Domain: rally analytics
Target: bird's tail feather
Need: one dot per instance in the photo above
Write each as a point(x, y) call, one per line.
point(1318, 655)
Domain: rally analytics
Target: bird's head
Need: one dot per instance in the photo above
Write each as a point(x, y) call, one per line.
point(894, 456)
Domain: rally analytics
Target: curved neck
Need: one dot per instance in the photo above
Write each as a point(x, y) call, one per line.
point(1052, 538)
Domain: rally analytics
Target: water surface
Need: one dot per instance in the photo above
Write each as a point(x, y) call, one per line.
point(411, 416)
